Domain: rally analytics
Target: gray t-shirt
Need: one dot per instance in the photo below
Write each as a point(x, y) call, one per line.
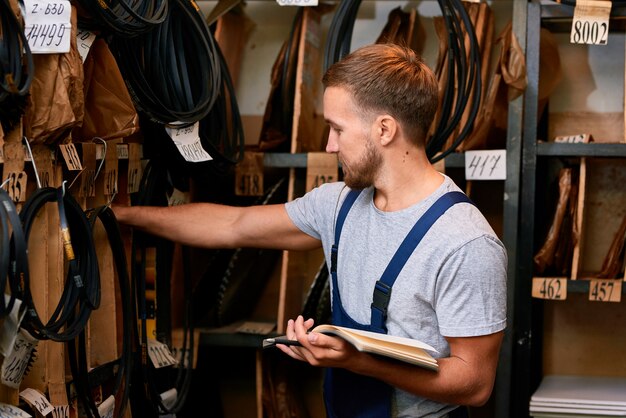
point(454, 284)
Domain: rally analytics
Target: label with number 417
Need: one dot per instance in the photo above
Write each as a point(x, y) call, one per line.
point(485, 164)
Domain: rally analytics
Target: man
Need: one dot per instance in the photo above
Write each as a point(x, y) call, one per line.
point(449, 292)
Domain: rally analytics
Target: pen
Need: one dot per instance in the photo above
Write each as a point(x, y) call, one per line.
point(269, 342)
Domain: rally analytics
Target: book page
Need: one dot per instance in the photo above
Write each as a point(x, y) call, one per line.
point(377, 336)
point(399, 348)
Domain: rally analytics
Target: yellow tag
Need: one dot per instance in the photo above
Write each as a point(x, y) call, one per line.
point(552, 288)
point(249, 175)
point(605, 290)
point(321, 167)
point(591, 22)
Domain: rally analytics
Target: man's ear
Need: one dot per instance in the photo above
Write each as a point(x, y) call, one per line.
point(386, 129)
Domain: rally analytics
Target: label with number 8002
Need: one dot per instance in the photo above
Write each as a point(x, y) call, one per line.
point(591, 22)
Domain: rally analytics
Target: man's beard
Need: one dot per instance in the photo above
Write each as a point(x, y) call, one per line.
point(361, 174)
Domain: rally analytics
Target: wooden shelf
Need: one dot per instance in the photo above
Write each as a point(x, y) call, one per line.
point(582, 286)
point(557, 149)
point(228, 336)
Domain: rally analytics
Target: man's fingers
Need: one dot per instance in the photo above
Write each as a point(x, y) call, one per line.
point(290, 352)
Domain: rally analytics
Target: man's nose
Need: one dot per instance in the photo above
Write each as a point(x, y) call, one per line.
point(331, 144)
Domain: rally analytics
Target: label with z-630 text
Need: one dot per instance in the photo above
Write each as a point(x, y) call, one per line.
point(47, 26)
point(187, 140)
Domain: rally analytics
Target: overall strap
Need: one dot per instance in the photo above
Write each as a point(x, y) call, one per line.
point(382, 289)
point(341, 218)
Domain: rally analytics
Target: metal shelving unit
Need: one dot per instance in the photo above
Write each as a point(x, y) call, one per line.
point(527, 315)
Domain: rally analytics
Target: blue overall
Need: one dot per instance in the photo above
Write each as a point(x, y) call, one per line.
point(346, 394)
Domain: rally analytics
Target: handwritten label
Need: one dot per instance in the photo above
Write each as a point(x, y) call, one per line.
point(111, 165)
point(15, 364)
point(135, 169)
point(10, 411)
point(43, 159)
point(178, 197)
point(106, 408)
point(61, 411)
point(249, 175)
point(47, 26)
point(321, 167)
point(84, 40)
point(71, 157)
point(37, 401)
point(590, 24)
point(552, 288)
point(122, 151)
point(297, 2)
point(16, 186)
point(160, 354)
point(188, 143)
point(485, 165)
point(605, 290)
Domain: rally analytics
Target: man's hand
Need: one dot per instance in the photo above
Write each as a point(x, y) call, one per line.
point(317, 349)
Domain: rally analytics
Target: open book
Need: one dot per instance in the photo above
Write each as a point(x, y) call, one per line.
point(399, 348)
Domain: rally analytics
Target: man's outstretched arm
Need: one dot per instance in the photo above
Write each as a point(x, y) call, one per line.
point(212, 225)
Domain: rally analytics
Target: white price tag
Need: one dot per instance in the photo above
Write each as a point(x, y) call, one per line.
point(297, 2)
point(37, 401)
point(188, 143)
point(107, 407)
point(160, 354)
point(47, 26)
point(590, 24)
point(14, 365)
point(178, 197)
point(10, 411)
point(169, 397)
point(485, 165)
point(84, 40)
